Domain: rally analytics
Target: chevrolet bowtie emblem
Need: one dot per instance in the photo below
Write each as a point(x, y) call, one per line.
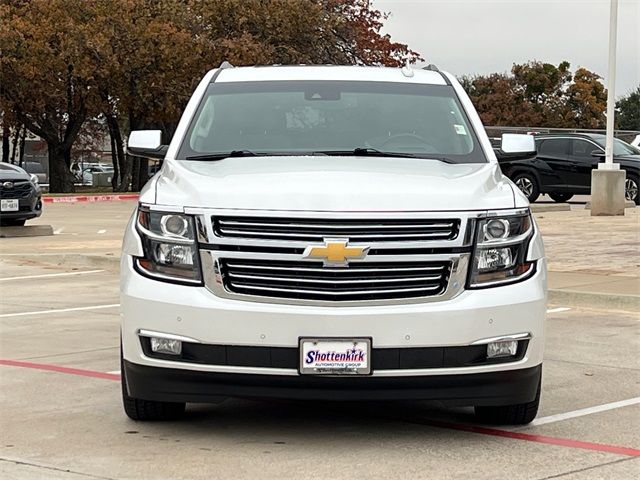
point(335, 252)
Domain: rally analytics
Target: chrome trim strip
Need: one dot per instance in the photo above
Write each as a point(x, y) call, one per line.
point(333, 226)
point(333, 270)
point(350, 292)
point(332, 282)
point(317, 236)
point(169, 336)
point(503, 338)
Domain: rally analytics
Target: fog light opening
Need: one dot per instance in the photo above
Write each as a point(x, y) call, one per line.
point(504, 348)
point(166, 345)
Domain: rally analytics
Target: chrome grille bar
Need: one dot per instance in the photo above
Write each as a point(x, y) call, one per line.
point(310, 281)
point(376, 230)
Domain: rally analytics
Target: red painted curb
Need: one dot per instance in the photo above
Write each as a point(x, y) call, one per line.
point(60, 369)
point(90, 198)
point(529, 437)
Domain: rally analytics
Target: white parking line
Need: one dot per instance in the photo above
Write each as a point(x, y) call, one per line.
point(50, 275)
point(584, 411)
point(59, 310)
point(558, 310)
point(114, 372)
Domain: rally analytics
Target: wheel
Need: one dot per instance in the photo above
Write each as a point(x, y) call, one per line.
point(146, 410)
point(560, 197)
point(631, 185)
point(528, 185)
point(10, 222)
point(519, 414)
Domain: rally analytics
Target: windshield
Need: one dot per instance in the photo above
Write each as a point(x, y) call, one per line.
point(326, 117)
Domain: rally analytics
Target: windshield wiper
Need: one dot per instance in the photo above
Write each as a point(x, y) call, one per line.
point(373, 152)
point(223, 155)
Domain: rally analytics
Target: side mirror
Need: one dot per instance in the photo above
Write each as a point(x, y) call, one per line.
point(515, 146)
point(597, 153)
point(147, 144)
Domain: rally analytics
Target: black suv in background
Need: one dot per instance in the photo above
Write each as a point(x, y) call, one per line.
point(562, 167)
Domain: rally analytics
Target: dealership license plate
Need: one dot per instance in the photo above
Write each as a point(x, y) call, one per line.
point(331, 356)
point(9, 205)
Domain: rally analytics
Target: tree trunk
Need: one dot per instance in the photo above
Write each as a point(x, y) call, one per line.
point(140, 174)
point(125, 173)
point(5, 143)
point(60, 178)
point(114, 161)
point(23, 139)
point(14, 144)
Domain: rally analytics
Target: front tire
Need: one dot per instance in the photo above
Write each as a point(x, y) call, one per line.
point(519, 414)
point(528, 185)
point(561, 197)
point(147, 410)
point(631, 185)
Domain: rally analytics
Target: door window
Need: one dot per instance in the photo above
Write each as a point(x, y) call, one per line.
point(582, 149)
point(554, 147)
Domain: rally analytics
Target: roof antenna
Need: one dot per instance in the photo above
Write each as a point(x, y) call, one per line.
point(407, 71)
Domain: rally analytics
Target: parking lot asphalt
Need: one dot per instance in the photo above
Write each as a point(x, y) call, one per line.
point(61, 417)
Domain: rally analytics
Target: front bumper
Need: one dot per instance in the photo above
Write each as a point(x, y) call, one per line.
point(477, 389)
point(29, 207)
point(196, 313)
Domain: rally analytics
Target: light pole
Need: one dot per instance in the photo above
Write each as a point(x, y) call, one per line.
point(607, 182)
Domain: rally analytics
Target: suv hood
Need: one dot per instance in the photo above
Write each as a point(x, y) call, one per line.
point(326, 183)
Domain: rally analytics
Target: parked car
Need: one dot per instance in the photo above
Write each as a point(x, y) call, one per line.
point(36, 168)
point(636, 142)
point(563, 165)
point(20, 197)
point(87, 173)
point(331, 233)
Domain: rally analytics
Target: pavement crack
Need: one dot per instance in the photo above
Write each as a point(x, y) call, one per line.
point(586, 469)
point(55, 469)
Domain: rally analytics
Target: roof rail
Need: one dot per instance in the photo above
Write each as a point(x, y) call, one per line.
point(431, 67)
point(225, 64)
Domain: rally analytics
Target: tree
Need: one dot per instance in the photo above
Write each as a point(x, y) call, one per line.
point(47, 75)
point(134, 63)
point(540, 94)
point(628, 111)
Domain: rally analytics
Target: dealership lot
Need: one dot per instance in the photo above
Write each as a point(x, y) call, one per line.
point(61, 415)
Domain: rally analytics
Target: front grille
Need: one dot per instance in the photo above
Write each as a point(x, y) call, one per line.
point(20, 189)
point(311, 281)
point(356, 230)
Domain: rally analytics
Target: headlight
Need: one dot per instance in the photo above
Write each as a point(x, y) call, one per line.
point(501, 251)
point(170, 249)
point(34, 180)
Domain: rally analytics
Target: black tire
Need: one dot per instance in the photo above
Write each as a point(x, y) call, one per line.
point(519, 414)
point(631, 188)
point(561, 197)
point(528, 184)
point(147, 410)
point(10, 222)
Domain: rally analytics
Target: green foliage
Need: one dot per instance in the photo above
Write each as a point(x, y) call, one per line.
point(539, 94)
point(628, 111)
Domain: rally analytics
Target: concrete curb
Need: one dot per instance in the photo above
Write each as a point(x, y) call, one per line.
point(108, 262)
point(552, 207)
point(90, 198)
point(573, 298)
point(26, 231)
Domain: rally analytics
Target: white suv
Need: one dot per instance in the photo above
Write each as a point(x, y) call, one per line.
point(332, 233)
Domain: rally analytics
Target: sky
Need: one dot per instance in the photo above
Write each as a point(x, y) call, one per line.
point(467, 37)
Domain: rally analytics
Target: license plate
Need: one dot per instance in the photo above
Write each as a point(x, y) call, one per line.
point(335, 356)
point(9, 205)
